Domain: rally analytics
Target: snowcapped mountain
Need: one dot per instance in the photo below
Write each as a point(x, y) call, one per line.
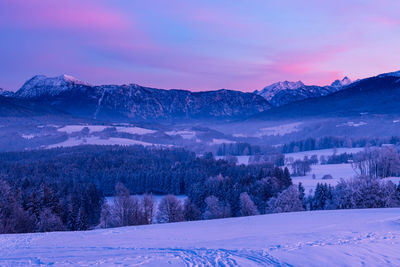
point(283, 93)
point(341, 83)
point(271, 90)
point(373, 96)
point(135, 102)
point(41, 85)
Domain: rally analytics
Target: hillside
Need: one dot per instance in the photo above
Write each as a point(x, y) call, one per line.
point(133, 102)
point(283, 93)
point(323, 238)
point(373, 96)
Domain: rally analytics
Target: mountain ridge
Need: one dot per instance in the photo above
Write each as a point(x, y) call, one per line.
point(135, 102)
point(286, 92)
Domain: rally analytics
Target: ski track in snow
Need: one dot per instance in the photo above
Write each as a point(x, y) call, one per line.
point(180, 256)
point(145, 256)
point(323, 238)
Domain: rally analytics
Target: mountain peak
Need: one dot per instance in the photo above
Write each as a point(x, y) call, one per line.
point(271, 90)
point(340, 83)
point(42, 85)
point(285, 85)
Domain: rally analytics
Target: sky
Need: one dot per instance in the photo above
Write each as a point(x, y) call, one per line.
point(198, 45)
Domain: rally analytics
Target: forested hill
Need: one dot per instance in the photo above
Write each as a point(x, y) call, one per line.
point(68, 185)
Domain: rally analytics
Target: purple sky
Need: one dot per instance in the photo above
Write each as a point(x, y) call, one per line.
point(198, 45)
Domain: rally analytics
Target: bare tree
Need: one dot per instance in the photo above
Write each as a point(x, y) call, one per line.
point(126, 209)
point(170, 210)
point(377, 162)
point(216, 209)
point(148, 209)
point(247, 207)
point(190, 211)
point(106, 216)
point(301, 167)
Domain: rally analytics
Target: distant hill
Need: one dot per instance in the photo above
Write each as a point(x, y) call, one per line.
point(374, 96)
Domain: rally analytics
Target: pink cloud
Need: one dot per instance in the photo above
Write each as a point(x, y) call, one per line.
point(385, 21)
point(308, 66)
point(63, 15)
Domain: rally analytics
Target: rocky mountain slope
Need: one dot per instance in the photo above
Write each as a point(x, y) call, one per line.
point(283, 93)
point(374, 96)
point(135, 102)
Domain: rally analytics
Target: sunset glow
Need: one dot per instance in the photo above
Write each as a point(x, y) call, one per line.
point(198, 46)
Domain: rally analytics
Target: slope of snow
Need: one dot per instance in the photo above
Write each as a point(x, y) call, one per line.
point(98, 128)
point(28, 136)
point(323, 152)
point(77, 128)
point(135, 130)
point(42, 85)
point(271, 90)
point(218, 141)
point(279, 130)
point(95, 140)
point(185, 134)
point(352, 124)
point(337, 171)
point(368, 237)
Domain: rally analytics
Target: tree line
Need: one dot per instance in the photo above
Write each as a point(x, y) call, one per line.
point(327, 142)
point(64, 188)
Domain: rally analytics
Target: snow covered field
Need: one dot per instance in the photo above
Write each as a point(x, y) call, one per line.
point(98, 128)
point(95, 140)
point(279, 130)
point(337, 171)
point(323, 152)
point(369, 237)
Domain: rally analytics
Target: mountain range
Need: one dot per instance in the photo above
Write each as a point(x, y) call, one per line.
point(131, 102)
point(375, 96)
point(135, 102)
point(283, 93)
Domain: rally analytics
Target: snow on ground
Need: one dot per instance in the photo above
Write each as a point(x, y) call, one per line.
point(28, 136)
point(241, 159)
point(216, 141)
point(279, 130)
point(98, 128)
point(186, 134)
point(324, 152)
point(352, 124)
point(95, 140)
point(135, 130)
point(369, 237)
point(337, 171)
point(77, 128)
